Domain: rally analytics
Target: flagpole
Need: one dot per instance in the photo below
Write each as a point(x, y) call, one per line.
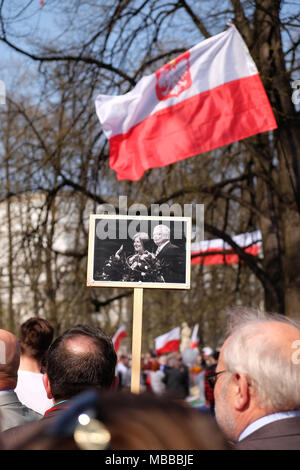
point(136, 339)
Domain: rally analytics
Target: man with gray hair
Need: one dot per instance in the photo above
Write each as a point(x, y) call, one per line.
point(169, 255)
point(257, 382)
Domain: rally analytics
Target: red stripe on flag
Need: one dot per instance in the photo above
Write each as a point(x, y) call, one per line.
point(118, 341)
point(220, 258)
point(170, 346)
point(214, 118)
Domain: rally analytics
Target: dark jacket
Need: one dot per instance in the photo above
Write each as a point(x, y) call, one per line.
point(172, 261)
point(177, 382)
point(283, 434)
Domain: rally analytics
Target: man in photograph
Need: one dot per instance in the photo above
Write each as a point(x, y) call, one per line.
point(171, 257)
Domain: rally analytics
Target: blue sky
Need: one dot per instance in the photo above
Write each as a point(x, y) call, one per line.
point(43, 25)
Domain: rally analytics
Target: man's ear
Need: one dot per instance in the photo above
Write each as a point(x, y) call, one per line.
point(47, 386)
point(241, 392)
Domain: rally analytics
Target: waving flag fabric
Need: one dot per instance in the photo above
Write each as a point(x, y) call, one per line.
point(168, 342)
point(118, 336)
point(210, 252)
point(208, 97)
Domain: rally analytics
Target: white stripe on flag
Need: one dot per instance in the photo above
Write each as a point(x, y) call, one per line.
point(243, 240)
point(162, 340)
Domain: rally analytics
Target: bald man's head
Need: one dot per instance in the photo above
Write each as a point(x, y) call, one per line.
point(161, 234)
point(81, 357)
point(9, 360)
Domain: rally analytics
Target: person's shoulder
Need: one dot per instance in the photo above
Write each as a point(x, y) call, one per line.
point(32, 413)
point(283, 434)
point(16, 437)
point(170, 248)
point(173, 246)
point(28, 414)
point(14, 413)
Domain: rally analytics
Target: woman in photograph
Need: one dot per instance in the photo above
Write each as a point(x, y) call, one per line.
point(142, 265)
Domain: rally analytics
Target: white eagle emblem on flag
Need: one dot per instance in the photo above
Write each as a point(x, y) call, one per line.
point(173, 78)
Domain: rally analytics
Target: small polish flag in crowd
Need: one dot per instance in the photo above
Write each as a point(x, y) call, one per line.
point(194, 337)
point(209, 96)
point(118, 337)
point(168, 342)
point(210, 252)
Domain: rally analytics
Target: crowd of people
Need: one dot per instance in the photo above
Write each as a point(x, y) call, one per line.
point(169, 374)
point(73, 392)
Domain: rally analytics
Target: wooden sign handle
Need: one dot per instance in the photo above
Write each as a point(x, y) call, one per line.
point(136, 339)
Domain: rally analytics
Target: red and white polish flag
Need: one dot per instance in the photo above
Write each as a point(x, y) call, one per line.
point(211, 252)
point(118, 337)
point(168, 342)
point(195, 337)
point(208, 97)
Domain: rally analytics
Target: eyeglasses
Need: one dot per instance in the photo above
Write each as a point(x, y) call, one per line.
point(213, 377)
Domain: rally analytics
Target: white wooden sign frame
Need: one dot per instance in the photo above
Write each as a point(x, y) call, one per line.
point(140, 285)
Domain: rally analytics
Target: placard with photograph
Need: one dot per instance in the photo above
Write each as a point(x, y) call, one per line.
point(139, 251)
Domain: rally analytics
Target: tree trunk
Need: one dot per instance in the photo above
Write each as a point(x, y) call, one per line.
point(270, 60)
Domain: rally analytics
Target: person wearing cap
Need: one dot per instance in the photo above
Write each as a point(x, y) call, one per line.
point(12, 411)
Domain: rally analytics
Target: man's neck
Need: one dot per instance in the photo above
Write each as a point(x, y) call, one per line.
point(161, 246)
point(249, 419)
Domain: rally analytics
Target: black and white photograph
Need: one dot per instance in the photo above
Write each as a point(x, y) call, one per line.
point(134, 251)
